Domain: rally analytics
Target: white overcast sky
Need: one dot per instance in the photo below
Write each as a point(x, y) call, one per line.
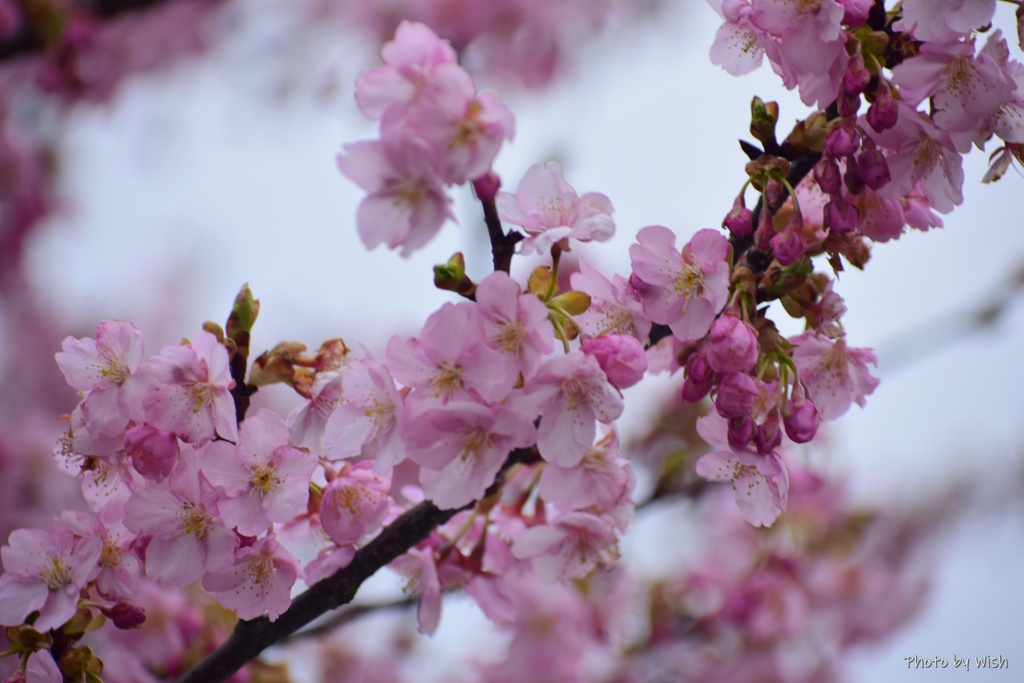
point(192, 183)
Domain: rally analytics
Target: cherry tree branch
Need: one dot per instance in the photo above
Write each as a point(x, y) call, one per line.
point(250, 638)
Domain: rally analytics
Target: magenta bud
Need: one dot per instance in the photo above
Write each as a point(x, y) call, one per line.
point(801, 421)
point(827, 175)
point(125, 616)
point(848, 103)
point(788, 246)
point(736, 395)
point(739, 221)
point(765, 230)
point(732, 345)
point(841, 216)
point(768, 435)
point(855, 12)
point(852, 181)
point(698, 369)
point(487, 186)
point(741, 429)
point(773, 190)
point(694, 391)
point(622, 358)
point(856, 77)
point(872, 168)
point(842, 140)
point(883, 112)
point(153, 451)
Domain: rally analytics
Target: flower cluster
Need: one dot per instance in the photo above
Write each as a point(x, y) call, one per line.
point(501, 411)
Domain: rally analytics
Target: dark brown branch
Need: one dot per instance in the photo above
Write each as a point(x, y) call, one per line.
point(503, 246)
point(250, 638)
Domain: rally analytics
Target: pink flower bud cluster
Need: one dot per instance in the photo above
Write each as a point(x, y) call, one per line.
point(436, 130)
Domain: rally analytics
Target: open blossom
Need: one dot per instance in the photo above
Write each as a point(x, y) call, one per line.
point(188, 537)
point(308, 421)
point(739, 44)
point(406, 204)
point(572, 393)
point(264, 479)
point(411, 60)
point(685, 290)
point(944, 20)
point(105, 369)
point(461, 447)
point(366, 422)
point(836, 375)
point(450, 359)
point(570, 547)
point(760, 481)
point(258, 582)
point(515, 324)
point(551, 212)
point(615, 307)
point(192, 392)
point(600, 479)
point(354, 504)
point(46, 572)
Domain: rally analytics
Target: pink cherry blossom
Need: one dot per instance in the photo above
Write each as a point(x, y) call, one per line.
point(46, 572)
point(944, 20)
point(188, 537)
point(354, 504)
point(420, 570)
point(571, 547)
point(615, 307)
point(551, 212)
point(461, 447)
point(366, 422)
point(515, 324)
point(192, 392)
point(572, 393)
point(259, 582)
point(411, 60)
point(760, 482)
point(600, 479)
point(450, 359)
point(739, 44)
point(407, 203)
point(685, 290)
point(106, 370)
point(264, 479)
point(309, 421)
point(836, 375)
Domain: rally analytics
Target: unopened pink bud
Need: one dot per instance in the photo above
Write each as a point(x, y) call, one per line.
point(856, 76)
point(788, 246)
point(841, 216)
point(733, 345)
point(740, 221)
point(872, 168)
point(694, 391)
point(851, 179)
point(736, 395)
point(125, 616)
point(741, 429)
point(768, 435)
point(848, 103)
point(842, 140)
point(855, 12)
point(801, 421)
point(773, 190)
point(487, 186)
point(153, 451)
point(828, 176)
point(621, 357)
point(884, 112)
point(765, 231)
